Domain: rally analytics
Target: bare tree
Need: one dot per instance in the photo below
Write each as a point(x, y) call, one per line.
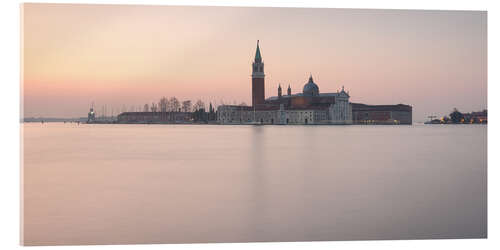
point(169, 104)
point(199, 105)
point(186, 106)
point(153, 107)
point(175, 105)
point(163, 104)
point(146, 108)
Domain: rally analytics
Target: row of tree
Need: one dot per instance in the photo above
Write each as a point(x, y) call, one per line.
point(173, 104)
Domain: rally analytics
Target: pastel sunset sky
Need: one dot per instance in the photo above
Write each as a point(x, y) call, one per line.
point(124, 56)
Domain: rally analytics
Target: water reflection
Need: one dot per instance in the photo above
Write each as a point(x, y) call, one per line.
point(103, 184)
point(258, 182)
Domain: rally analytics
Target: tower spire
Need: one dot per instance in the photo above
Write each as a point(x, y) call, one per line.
point(258, 57)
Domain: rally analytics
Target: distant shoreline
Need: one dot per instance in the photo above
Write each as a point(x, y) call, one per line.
point(248, 124)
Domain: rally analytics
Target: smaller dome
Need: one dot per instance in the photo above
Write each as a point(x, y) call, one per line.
point(310, 88)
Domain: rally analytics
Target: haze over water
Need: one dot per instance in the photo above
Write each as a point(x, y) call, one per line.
point(116, 184)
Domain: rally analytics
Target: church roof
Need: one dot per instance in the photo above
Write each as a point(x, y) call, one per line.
point(301, 94)
point(310, 88)
point(343, 92)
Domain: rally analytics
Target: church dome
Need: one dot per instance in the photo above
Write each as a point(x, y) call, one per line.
point(310, 88)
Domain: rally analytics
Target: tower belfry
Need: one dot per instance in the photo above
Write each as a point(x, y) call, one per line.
point(258, 76)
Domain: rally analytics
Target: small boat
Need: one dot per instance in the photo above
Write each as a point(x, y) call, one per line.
point(436, 121)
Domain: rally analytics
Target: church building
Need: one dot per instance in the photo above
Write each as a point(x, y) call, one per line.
point(308, 107)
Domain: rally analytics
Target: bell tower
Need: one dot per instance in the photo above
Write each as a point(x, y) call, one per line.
point(258, 76)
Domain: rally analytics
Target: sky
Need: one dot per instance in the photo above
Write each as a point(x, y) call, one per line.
point(123, 56)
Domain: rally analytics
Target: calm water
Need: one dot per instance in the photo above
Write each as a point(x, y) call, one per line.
point(116, 184)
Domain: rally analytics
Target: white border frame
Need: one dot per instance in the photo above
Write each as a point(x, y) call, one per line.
point(10, 126)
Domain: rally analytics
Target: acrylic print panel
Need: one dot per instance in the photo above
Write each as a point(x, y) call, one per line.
point(173, 124)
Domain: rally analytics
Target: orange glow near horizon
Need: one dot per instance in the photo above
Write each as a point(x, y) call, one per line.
point(126, 55)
